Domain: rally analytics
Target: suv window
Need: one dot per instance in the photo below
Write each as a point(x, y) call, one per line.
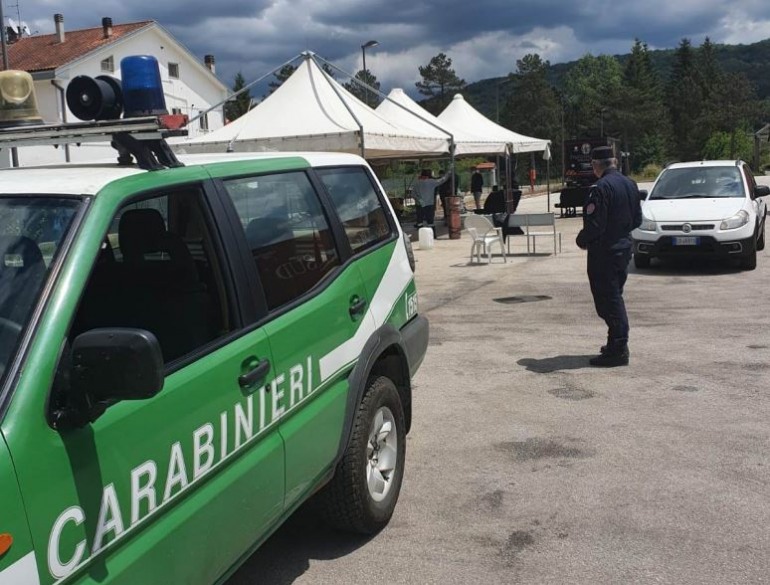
point(32, 228)
point(358, 206)
point(749, 178)
point(158, 271)
point(287, 232)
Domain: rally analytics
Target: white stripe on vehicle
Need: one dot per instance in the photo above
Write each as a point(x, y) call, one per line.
point(396, 278)
point(22, 572)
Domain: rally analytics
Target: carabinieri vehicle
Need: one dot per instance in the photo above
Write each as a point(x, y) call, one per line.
point(189, 353)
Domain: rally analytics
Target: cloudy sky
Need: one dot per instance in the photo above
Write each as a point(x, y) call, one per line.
point(483, 38)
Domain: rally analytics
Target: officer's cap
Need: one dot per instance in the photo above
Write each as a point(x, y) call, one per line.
point(602, 153)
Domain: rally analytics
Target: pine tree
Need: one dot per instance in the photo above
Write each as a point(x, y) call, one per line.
point(533, 108)
point(370, 98)
point(592, 89)
point(439, 82)
point(685, 104)
point(280, 76)
point(641, 113)
point(711, 79)
point(241, 103)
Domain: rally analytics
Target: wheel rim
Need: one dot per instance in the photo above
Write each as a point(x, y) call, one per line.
point(381, 454)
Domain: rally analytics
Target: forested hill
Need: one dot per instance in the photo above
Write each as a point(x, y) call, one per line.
point(752, 60)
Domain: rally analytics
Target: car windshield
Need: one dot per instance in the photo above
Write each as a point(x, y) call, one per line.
point(699, 183)
point(31, 231)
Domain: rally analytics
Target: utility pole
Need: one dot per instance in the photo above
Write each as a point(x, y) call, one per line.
point(2, 38)
point(14, 152)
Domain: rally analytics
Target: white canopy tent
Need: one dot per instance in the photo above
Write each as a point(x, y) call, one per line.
point(310, 111)
point(411, 115)
point(461, 115)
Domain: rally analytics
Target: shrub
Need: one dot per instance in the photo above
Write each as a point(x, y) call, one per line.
point(650, 172)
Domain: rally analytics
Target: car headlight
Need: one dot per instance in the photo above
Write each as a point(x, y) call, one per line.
point(648, 225)
point(740, 219)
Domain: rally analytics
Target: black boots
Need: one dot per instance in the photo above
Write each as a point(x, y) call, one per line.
point(611, 358)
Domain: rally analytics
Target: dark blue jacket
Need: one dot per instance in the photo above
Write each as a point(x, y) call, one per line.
point(613, 210)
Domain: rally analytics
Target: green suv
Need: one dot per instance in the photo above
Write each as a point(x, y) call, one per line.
point(189, 354)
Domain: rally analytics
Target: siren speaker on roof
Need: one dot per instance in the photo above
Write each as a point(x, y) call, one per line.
point(98, 98)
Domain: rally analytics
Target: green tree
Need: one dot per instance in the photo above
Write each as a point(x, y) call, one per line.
point(370, 98)
point(280, 76)
point(729, 145)
point(733, 108)
point(533, 108)
point(239, 105)
point(592, 90)
point(685, 103)
point(640, 111)
point(439, 82)
point(711, 79)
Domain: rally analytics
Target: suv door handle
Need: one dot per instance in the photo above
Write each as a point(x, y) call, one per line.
point(256, 374)
point(357, 307)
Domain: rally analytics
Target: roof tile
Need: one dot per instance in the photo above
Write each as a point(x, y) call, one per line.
point(44, 52)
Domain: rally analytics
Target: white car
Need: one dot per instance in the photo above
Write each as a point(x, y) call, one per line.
point(706, 208)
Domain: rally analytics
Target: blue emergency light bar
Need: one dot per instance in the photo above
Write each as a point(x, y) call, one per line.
point(142, 87)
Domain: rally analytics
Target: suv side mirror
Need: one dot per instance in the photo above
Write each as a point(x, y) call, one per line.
point(106, 366)
point(761, 191)
point(643, 194)
point(117, 364)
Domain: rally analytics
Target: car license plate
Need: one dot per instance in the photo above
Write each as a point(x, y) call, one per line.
point(690, 241)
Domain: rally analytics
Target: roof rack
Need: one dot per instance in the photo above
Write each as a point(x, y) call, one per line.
point(141, 138)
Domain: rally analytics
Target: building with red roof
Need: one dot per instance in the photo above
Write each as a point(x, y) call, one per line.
point(189, 84)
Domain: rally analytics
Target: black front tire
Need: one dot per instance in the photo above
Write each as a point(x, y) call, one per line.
point(642, 261)
point(761, 240)
point(346, 502)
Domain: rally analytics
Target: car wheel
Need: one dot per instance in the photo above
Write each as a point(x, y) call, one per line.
point(749, 262)
point(761, 240)
point(363, 493)
point(642, 261)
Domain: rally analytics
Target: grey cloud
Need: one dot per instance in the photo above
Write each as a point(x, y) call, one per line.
point(228, 28)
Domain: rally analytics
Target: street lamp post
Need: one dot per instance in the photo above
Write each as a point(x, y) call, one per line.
point(497, 96)
point(367, 45)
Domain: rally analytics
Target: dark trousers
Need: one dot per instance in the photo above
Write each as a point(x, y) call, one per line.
point(426, 214)
point(607, 273)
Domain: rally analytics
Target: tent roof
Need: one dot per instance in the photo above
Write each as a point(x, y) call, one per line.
point(465, 141)
point(460, 114)
point(306, 113)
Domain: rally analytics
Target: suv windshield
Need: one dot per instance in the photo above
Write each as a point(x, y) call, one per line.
point(31, 231)
point(699, 183)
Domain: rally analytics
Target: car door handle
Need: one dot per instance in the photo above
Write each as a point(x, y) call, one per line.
point(254, 375)
point(357, 306)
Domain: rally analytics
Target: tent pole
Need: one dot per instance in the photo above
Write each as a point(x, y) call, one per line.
point(312, 56)
point(240, 91)
point(382, 95)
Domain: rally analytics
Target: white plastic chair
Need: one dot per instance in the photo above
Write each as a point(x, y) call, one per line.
point(484, 235)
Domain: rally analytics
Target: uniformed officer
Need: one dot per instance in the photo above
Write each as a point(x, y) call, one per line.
point(612, 211)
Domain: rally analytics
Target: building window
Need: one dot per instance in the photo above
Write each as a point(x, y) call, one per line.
point(204, 120)
point(108, 64)
point(173, 70)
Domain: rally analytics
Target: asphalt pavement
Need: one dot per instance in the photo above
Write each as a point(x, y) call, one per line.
point(525, 465)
